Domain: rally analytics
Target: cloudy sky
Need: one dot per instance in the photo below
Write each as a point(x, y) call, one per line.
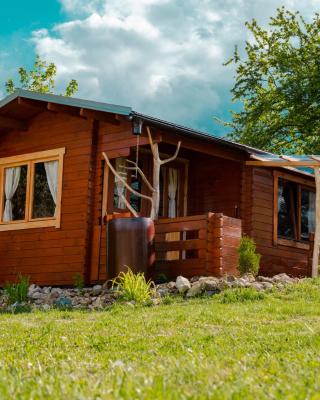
point(161, 57)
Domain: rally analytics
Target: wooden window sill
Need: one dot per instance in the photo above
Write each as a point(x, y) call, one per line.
point(292, 243)
point(44, 223)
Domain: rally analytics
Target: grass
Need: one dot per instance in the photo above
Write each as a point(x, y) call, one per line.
point(257, 348)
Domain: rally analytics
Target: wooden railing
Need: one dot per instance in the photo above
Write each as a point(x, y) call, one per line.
point(197, 245)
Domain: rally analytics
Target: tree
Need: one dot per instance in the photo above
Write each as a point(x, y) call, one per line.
point(278, 83)
point(40, 79)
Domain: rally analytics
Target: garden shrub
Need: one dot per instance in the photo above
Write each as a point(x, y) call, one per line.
point(79, 282)
point(133, 287)
point(17, 292)
point(249, 260)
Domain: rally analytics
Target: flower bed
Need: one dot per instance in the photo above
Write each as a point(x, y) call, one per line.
point(102, 296)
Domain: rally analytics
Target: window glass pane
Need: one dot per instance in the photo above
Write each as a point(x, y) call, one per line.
point(15, 193)
point(136, 184)
point(119, 188)
point(307, 213)
point(43, 202)
point(287, 209)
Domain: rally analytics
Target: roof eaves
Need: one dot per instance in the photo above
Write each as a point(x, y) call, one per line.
point(199, 134)
point(67, 101)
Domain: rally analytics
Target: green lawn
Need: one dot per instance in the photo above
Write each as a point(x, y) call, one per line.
point(196, 349)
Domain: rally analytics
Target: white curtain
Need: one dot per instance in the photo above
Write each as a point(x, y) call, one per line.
point(51, 168)
point(120, 188)
point(311, 211)
point(10, 187)
point(280, 197)
point(172, 191)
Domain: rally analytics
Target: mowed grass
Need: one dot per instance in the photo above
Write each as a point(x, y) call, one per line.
point(224, 347)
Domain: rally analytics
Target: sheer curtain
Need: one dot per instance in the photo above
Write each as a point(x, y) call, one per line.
point(51, 168)
point(280, 196)
point(172, 210)
point(172, 191)
point(120, 188)
point(10, 187)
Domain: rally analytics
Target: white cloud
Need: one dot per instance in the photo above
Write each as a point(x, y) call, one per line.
point(163, 57)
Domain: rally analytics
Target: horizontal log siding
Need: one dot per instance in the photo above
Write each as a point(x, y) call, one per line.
point(214, 185)
point(52, 256)
point(214, 246)
point(275, 258)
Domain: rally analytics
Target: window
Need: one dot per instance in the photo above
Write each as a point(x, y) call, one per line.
point(295, 210)
point(120, 192)
point(30, 190)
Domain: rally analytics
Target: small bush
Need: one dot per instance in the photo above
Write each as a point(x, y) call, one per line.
point(17, 292)
point(167, 299)
point(240, 295)
point(133, 287)
point(249, 260)
point(78, 282)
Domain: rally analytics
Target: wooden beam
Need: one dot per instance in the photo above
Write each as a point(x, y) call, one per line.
point(284, 163)
point(100, 116)
point(74, 111)
point(12, 123)
point(35, 104)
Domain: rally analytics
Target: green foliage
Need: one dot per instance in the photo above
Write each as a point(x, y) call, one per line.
point(133, 287)
point(167, 300)
point(249, 260)
point(278, 84)
point(40, 79)
point(240, 295)
point(17, 292)
point(78, 281)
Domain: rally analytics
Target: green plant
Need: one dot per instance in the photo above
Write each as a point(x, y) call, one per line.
point(240, 295)
point(249, 260)
point(78, 282)
point(276, 85)
point(41, 78)
point(167, 300)
point(17, 292)
point(133, 287)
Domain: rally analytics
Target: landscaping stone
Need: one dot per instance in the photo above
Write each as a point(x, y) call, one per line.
point(96, 290)
point(182, 284)
point(102, 296)
point(195, 290)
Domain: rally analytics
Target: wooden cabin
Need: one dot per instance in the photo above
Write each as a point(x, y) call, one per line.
point(56, 192)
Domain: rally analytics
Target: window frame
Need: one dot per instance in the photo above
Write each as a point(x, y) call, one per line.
point(30, 160)
point(301, 183)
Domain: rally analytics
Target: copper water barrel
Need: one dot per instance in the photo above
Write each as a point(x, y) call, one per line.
point(130, 243)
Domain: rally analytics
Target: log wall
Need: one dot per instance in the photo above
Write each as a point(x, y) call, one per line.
point(214, 185)
point(48, 255)
point(275, 258)
point(211, 249)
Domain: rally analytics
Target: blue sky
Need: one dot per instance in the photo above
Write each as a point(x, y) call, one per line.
point(162, 57)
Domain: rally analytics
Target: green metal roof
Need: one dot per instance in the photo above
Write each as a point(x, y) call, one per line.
point(67, 101)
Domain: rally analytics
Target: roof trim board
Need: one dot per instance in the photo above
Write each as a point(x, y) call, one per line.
point(67, 101)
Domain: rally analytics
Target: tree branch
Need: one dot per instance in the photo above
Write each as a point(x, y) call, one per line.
point(129, 207)
point(144, 178)
point(115, 173)
point(153, 148)
point(174, 156)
